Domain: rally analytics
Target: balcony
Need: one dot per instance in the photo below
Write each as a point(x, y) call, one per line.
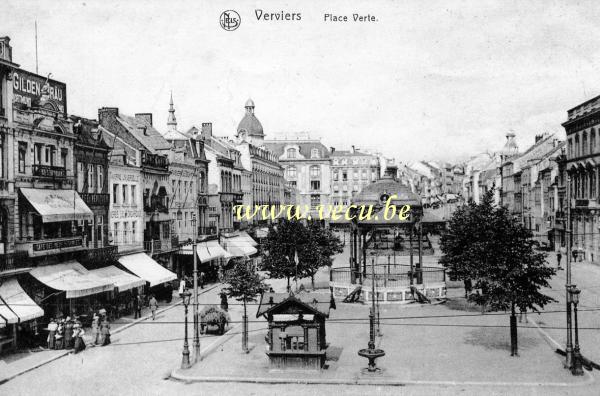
point(157, 246)
point(13, 261)
point(104, 254)
point(49, 172)
point(155, 161)
point(95, 199)
point(44, 247)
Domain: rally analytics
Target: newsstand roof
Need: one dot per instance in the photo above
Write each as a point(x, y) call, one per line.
point(316, 303)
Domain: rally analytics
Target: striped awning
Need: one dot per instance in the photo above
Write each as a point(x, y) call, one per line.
point(72, 278)
point(15, 305)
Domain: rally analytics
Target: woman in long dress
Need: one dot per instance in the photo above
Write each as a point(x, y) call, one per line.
point(59, 337)
point(68, 344)
point(95, 328)
point(104, 332)
point(78, 334)
point(52, 328)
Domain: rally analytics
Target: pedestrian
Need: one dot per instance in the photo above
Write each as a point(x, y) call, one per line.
point(104, 332)
point(224, 303)
point(201, 280)
point(95, 328)
point(138, 302)
point(181, 285)
point(78, 333)
point(558, 258)
point(52, 329)
point(59, 336)
point(153, 306)
point(68, 340)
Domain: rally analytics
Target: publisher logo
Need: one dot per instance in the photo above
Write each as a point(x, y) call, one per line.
point(230, 20)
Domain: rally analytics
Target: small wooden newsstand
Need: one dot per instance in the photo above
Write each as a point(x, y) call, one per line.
point(296, 337)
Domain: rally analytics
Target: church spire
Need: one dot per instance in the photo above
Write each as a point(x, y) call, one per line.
point(171, 121)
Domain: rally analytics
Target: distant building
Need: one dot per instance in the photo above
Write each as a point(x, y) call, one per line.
point(351, 171)
point(307, 167)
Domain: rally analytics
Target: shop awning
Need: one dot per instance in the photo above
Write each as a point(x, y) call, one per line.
point(250, 240)
point(206, 251)
point(15, 305)
point(73, 278)
point(122, 280)
point(149, 270)
point(238, 246)
point(57, 205)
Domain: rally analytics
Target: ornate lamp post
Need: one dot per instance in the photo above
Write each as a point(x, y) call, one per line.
point(197, 356)
point(577, 363)
point(185, 359)
point(371, 352)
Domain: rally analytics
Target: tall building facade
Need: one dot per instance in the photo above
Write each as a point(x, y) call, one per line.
point(582, 159)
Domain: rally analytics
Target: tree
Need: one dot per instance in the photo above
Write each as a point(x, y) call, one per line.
point(313, 244)
point(486, 244)
point(280, 247)
point(318, 250)
point(244, 285)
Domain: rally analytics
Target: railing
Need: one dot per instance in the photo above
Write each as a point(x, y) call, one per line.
point(12, 261)
point(52, 172)
point(155, 161)
point(207, 230)
point(160, 245)
point(106, 253)
point(95, 198)
point(390, 276)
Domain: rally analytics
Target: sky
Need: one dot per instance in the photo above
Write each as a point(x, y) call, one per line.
point(435, 80)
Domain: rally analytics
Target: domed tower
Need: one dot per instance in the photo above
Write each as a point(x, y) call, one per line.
point(249, 128)
point(510, 147)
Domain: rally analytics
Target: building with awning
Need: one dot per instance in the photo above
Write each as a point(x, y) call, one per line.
point(72, 278)
point(238, 246)
point(206, 251)
point(250, 240)
point(15, 305)
point(122, 280)
point(146, 268)
point(57, 205)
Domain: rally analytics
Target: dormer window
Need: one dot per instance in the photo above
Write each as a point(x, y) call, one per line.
point(291, 153)
point(314, 153)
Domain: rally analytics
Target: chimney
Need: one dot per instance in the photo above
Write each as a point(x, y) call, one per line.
point(353, 149)
point(107, 112)
point(332, 149)
point(206, 130)
point(144, 117)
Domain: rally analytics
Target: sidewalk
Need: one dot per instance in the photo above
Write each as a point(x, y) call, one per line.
point(15, 364)
point(424, 345)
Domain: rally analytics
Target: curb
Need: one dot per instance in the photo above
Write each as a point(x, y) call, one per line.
point(366, 382)
point(116, 331)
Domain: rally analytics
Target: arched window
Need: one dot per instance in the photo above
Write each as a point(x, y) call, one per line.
point(314, 153)
point(592, 141)
point(577, 146)
point(584, 145)
point(291, 153)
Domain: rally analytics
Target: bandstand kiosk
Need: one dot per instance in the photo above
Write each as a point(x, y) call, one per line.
point(389, 251)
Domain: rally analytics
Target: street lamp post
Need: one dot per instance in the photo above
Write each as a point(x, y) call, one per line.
point(577, 363)
point(568, 233)
point(197, 356)
point(185, 359)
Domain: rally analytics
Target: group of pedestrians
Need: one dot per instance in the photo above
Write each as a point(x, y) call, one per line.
point(65, 334)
